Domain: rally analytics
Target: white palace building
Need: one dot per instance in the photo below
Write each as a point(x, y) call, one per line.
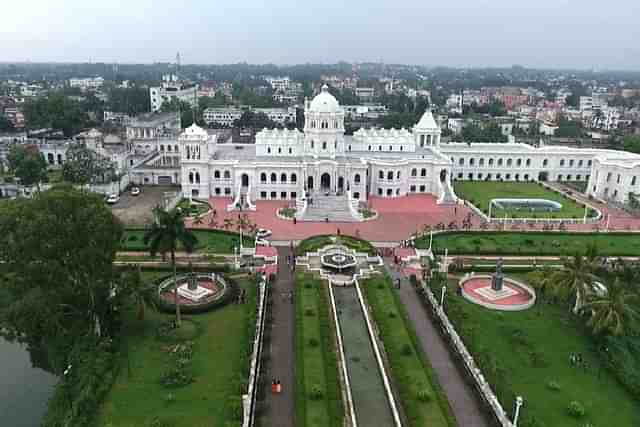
point(323, 171)
point(345, 170)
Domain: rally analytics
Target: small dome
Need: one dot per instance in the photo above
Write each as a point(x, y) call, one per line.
point(324, 102)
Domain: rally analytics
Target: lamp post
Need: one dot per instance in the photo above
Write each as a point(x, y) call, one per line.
point(430, 239)
point(444, 290)
point(519, 402)
point(235, 257)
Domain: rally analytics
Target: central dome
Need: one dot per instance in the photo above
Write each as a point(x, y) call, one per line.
point(324, 102)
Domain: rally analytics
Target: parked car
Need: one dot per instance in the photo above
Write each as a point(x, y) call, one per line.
point(135, 191)
point(113, 199)
point(263, 233)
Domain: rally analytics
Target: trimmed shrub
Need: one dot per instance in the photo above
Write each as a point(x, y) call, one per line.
point(553, 385)
point(424, 396)
point(406, 350)
point(313, 342)
point(576, 409)
point(316, 392)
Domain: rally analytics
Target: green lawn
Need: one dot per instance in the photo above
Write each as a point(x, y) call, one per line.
point(314, 243)
point(409, 368)
point(527, 353)
point(213, 241)
point(538, 244)
point(480, 194)
point(220, 364)
point(316, 362)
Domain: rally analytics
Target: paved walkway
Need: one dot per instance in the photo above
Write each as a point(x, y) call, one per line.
point(465, 404)
point(280, 407)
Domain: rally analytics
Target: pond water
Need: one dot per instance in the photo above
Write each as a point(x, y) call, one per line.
point(369, 394)
point(527, 204)
point(24, 389)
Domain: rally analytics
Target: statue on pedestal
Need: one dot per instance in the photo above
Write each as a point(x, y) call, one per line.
point(497, 277)
point(192, 281)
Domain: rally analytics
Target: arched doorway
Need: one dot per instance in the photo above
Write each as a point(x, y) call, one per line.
point(443, 175)
point(310, 183)
point(543, 176)
point(341, 183)
point(245, 180)
point(325, 182)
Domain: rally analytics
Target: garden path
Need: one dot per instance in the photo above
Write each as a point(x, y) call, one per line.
point(280, 407)
point(465, 404)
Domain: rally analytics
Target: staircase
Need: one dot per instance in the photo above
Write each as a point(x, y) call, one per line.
point(447, 195)
point(336, 208)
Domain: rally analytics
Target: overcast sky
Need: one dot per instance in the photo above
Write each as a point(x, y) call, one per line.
point(537, 33)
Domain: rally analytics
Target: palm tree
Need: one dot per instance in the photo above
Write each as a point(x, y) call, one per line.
point(135, 288)
point(576, 278)
point(613, 310)
point(166, 232)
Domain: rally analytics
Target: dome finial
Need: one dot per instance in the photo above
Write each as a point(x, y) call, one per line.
point(325, 88)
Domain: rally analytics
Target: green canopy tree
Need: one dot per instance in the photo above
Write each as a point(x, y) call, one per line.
point(85, 166)
point(27, 164)
point(574, 280)
point(57, 253)
point(166, 233)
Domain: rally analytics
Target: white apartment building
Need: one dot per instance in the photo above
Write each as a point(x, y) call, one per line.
point(87, 83)
point(227, 115)
point(172, 88)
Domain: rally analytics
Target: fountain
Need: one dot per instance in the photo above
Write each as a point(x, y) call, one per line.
point(497, 292)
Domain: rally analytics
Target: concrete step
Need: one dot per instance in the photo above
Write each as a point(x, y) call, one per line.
point(335, 208)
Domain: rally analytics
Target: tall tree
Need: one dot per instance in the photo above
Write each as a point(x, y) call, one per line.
point(166, 233)
point(85, 166)
point(613, 311)
point(57, 253)
point(28, 164)
point(574, 280)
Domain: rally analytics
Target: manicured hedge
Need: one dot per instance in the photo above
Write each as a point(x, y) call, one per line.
point(314, 243)
point(168, 307)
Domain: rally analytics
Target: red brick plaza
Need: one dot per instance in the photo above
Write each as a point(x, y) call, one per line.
point(397, 219)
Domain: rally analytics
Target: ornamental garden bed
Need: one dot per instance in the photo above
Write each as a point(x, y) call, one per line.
point(212, 241)
point(317, 392)
point(424, 402)
point(532, 243)
point(144, 393)
point(528, 354)
point(312, 244)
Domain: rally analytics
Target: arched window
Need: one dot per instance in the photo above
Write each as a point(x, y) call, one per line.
point(490, 162)
point(461, 161)
point(528, 162)
point(545, 162)
point(499, 162)
point(190, 177)
point(216, 174)
point(356, 178)
point(175, 148)
point(471, 161)
point(273, 177)
point(324, 145)
point(161, 147)
point(283, 177)
point(227, 175)
point(168, 148)
point(414, 172)
point(197, 177)
point(263, 178)
point(390, 175)
point(481, 162)
point(398, 175)
point(519, 162)
point(423, 172)
point(312, 143)
point(381, 175)
point(508, 162)
point(294, 178)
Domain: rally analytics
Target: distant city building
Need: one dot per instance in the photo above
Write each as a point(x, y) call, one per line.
point(365, 93)
point(170, 89)
point(227, 115)
point(121, 119)
point(86, 83)
point(365, 112)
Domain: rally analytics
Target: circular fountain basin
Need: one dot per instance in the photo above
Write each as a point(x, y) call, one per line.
point(207, 289)
point(338, 260)
point(514, 295)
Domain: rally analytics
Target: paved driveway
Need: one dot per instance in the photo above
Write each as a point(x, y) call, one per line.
point(136, 210)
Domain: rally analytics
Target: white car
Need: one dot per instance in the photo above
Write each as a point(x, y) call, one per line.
point(135, 191)
point(113, 199)
point(263, 233)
